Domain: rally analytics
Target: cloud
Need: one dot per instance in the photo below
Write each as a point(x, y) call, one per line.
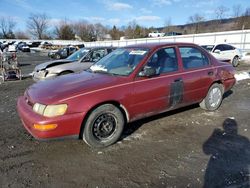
point(114, 21)
point(160, 3)
point(118, 6)
point(145, 11)
point(23, 4)
point(104, 21)
point(147, 18)
point(94, 19)
point(55, 21)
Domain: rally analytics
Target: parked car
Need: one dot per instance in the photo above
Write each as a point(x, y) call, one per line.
point(78, 61)
point(225, 52)
point(34, 44)
point(156, 34)
point(23, 47)
point(62, 53)
point(12, 48)
point(128, 84)
point(45, 44)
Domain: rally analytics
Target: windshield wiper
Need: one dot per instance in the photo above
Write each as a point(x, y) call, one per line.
point(105, 72)
point(100, 71)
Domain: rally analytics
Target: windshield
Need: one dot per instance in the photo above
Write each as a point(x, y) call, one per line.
point(120, 62)
point(208, 47)
point(78, 54)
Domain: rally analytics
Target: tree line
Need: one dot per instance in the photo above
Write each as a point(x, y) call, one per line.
point(39, 27)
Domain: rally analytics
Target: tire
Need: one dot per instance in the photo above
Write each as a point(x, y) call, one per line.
point(103, 126)
point(214, 98)
point(235, 61)
point(2, 77)
point(57, 56)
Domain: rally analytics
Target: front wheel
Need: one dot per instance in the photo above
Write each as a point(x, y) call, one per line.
point(104, 126)
point(235, 61)
point(57, 56)
point(214, 98)
point(64, 73)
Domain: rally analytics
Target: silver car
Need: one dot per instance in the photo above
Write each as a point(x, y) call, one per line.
point(77, 62)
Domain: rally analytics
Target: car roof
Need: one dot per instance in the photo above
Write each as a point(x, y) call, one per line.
point(157, 45)
point(99, 47)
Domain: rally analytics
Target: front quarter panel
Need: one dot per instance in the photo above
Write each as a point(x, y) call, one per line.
point(120, 94)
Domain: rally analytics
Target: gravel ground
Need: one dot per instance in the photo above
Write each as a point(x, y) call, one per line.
point(183, 148)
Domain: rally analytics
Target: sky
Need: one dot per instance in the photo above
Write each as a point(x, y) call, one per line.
point(116, 12)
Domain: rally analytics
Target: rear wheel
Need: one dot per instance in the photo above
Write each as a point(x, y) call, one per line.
point(104, 126)
point(235, 61)
point(214, 98)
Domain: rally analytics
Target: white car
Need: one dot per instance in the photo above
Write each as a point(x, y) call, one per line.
point(156, 34)
point(225, 52)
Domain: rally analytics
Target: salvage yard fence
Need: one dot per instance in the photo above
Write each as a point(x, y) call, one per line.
point(240, 39)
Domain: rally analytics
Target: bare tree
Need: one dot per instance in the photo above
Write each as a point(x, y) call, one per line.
point(130, 30)
point(167, 25)
point(237, 11)
point(196, 20)
point(7, 24)
point(100, 31)
point(64, 31)
point(84, 30)
point(220, 12)
point(38, 25)
point(244, 21)
point(21, 35)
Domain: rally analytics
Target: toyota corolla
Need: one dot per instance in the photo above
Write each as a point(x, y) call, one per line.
point(128, 84)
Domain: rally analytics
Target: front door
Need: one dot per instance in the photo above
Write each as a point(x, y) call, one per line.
point(163, 90)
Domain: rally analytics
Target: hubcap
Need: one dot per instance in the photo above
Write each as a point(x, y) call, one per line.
point(104, 126)
point(214, 97)
point(235, 61)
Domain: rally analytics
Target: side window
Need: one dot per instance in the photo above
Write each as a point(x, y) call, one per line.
point(164, 61)
point(98, 54)
point(228, 47)
point(219, 47)
point(193, 58)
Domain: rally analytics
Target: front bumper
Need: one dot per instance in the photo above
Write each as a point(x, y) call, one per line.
point(40, 75)
point(67, 125)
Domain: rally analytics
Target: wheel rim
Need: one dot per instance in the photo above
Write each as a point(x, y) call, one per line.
point(235, 61)
point(104, 126)
point(215, 97)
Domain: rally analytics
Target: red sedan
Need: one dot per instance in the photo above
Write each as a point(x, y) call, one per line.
point(128, 84)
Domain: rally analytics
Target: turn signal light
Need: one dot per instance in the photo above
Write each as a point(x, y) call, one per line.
point(45, 127)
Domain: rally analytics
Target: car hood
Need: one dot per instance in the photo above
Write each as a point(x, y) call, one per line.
point(52, 64)
point(62, 88)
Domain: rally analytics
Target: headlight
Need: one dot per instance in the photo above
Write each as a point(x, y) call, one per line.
point(55, 110)
point(50, 110)
point(39, 108)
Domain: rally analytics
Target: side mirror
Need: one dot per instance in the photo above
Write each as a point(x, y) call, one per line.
point(147, 72)
point(217, 51)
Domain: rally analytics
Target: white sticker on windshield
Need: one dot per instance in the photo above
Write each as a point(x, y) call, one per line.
point(137, 52)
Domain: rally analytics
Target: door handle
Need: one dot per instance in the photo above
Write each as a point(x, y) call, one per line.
point(178, 80)
point(210, 73)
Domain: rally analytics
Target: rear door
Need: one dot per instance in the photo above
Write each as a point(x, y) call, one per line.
point(229, 51)
point(198, 73)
